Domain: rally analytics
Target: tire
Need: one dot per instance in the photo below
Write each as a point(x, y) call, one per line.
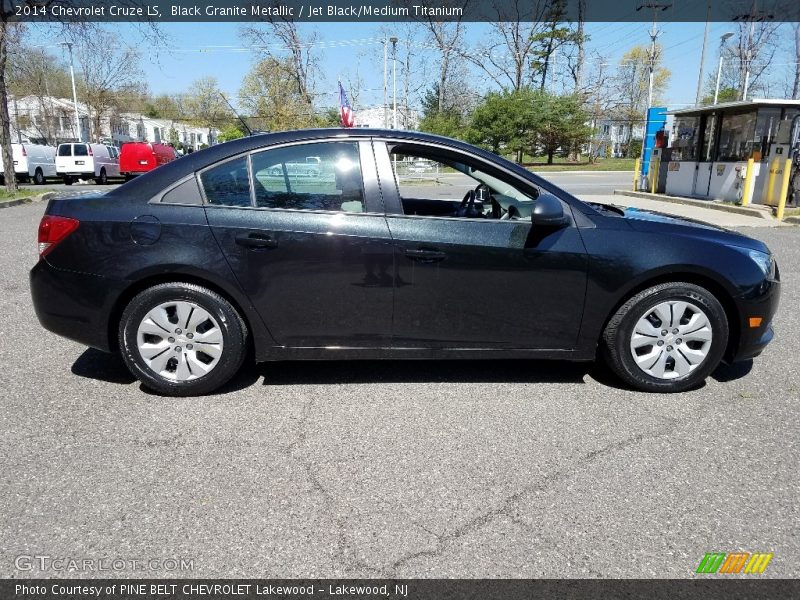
point(38, 177)
point(654, 362)
point(68, 180)
point(183, 368)
point(103, 179)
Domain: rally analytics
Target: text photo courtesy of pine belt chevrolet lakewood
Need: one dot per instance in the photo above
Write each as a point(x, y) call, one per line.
point(248, 248)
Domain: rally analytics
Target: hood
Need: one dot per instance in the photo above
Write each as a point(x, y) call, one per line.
point(655, 222)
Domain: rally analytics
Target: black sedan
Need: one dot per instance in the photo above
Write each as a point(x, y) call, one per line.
point(349, 244)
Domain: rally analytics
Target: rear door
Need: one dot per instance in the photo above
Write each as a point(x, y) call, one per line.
point(310, 247)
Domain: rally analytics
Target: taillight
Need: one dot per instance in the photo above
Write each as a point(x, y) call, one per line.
point(52, 230)
point(24, 152)
point(89, 148)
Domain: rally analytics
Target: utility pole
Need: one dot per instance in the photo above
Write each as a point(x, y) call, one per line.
point(394, 80)
point(651, 66)
point(385, 85)
point(703, 57)
point(74, 91)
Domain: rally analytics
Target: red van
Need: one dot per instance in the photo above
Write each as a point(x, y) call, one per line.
point(139, 157)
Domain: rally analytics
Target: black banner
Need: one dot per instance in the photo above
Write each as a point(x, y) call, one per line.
point(32, 11)
point(735, 588)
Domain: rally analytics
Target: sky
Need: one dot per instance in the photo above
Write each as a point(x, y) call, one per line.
point(216, 49)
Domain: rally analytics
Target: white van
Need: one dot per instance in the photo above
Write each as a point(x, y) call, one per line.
point(32, 162)
point(87, 161)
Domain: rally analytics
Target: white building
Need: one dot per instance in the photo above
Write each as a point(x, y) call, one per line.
point(379, 118)
point(48, 120)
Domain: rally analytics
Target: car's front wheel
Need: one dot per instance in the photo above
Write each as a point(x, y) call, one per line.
point(182, 339)
point(667, 338)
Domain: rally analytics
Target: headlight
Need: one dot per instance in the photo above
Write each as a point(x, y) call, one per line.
point(765, 262)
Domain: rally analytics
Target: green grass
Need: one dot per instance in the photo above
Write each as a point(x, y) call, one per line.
point(6, 196)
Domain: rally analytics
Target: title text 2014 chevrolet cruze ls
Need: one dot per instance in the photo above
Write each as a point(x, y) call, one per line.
point(331, 244)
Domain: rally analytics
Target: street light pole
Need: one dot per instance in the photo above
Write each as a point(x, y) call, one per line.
point(394, 80)
point(74, 91)
point(723, 38)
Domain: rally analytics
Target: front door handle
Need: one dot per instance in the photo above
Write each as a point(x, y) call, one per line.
point(424, 255)
point(256, 240)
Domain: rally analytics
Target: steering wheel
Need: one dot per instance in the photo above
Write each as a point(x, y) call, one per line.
point(467, 206)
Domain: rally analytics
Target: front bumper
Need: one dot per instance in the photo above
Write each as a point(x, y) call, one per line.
point(753, 340)
point(75, 305)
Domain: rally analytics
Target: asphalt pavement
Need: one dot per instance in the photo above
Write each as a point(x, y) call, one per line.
point(407, 469)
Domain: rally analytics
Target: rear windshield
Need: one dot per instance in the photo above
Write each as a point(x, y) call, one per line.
point(65, 150)
point(80, 150)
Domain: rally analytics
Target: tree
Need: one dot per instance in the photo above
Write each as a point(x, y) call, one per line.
point(448, 39)
point(507, 58)
point(504, 121)
point(560, 123)
point(293, 54)
point(231, 132)
point(631, 81)
point(108, 71)
point(272, 99)
point(205, 106)
point(71, 30)
point(553, 37)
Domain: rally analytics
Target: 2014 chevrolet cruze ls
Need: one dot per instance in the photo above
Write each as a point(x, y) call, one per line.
point(333, 244)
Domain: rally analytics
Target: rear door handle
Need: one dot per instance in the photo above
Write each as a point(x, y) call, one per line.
point(256, 240)
point(425, 255)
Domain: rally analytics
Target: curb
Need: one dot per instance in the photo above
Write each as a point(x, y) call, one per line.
point(712, 204)
point(29, 200)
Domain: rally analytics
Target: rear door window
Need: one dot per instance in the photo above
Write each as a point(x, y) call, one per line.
point(227, 184)
point(65, 150)
point(321, 176)
point(80, 150)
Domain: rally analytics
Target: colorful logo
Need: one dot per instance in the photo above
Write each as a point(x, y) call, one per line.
point(734, 562)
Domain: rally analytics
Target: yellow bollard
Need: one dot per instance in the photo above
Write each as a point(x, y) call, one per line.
point(787, 175)
point(748, 182)
point(636, 173)
point(654, 174)
point(773, 168)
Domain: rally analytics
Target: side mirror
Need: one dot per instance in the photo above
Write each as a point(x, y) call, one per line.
point(548, 212)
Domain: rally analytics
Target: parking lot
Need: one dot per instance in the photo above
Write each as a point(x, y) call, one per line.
point(406, 469)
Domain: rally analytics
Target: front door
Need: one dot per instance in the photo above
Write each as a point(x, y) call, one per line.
point(479, 277)
point(303, 229)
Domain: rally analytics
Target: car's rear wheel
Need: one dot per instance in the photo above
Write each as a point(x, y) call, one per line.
point(68, 180)
point(182, 339)
point(103, 178)
point(667, 338)
point(38, 177)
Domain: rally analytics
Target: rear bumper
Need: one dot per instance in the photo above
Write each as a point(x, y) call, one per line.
point(753, 340)
point(74, 305)
point(75, 173)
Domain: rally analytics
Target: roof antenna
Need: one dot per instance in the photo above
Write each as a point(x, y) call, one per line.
point(238, 116)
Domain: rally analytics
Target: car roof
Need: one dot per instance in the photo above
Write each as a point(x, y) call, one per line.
point(190, 163)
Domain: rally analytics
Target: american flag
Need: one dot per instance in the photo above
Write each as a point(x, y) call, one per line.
point(348, 117)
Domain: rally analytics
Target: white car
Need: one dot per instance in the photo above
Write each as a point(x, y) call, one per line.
point(87, 161)
point(32, 162)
